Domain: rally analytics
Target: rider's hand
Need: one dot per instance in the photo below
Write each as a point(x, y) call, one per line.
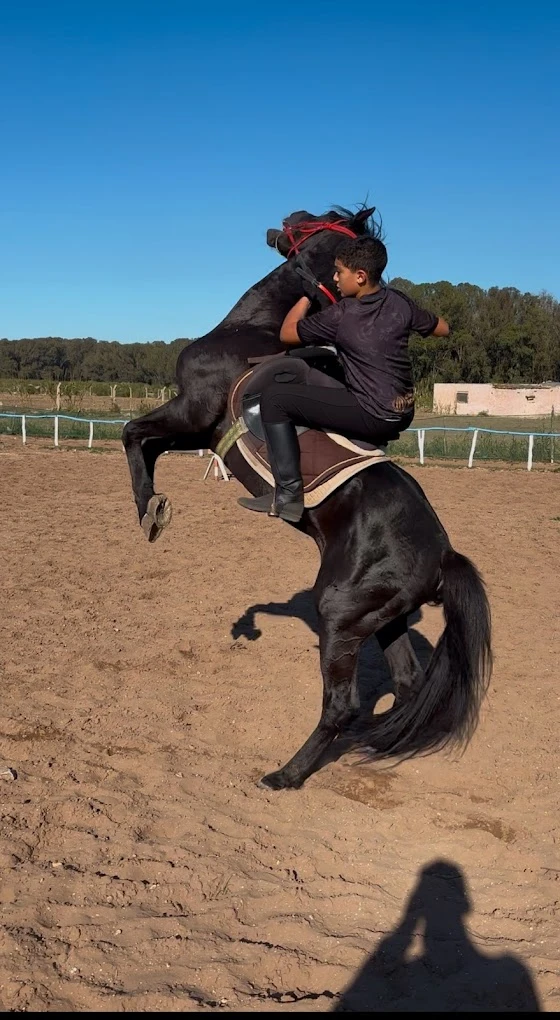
point(310, 287)
point(319, 302)
point(310, 290)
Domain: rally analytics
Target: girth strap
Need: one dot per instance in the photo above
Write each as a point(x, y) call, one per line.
point(234, 433)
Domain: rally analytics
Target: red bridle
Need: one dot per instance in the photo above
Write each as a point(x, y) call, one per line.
point(305, 231)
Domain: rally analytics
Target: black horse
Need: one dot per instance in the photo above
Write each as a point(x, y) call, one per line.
point(384, 552)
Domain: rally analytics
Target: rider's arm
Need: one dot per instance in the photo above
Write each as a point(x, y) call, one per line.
point(423, 322)
point(321, 328)
point(288, 331)
point(426, 323)
point(442, 328)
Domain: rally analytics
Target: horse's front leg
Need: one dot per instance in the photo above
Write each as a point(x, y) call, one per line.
point(144, 439)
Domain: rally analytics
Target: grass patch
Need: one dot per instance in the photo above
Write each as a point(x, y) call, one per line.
point(438, 445)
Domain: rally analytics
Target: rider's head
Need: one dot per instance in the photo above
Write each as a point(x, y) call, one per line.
point(359, 266)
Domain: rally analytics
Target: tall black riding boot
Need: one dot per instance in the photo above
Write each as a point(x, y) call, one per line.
point(283, 450)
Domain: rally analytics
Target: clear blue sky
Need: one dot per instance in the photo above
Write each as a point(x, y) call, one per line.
point(147, 146)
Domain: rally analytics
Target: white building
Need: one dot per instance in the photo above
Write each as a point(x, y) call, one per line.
point(494, 399)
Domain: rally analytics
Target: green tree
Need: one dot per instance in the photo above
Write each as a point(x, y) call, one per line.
point(499, 335)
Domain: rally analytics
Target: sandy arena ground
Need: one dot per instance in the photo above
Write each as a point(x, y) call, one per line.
point(146, 688)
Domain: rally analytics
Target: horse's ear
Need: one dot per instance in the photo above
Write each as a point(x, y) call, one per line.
point(364, 214)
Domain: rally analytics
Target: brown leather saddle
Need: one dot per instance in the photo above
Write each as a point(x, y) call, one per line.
point(327, 458)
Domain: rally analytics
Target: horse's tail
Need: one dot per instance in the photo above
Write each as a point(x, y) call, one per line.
point(446, 707)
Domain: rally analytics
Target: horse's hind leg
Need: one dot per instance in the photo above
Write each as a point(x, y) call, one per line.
point(348, 612)
point(340, 639)
point(406, 672)
point(339, 647)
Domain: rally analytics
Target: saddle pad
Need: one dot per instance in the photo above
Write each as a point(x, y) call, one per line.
point(327, 459)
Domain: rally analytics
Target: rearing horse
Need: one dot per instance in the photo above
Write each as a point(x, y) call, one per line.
point(384, 552)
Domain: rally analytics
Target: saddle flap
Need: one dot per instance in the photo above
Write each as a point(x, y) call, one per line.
point(327, 459)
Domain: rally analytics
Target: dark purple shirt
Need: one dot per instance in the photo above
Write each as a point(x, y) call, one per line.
point(371, 337)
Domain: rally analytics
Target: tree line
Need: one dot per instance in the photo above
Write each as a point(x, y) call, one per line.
point(55, 358)
point(498, 335)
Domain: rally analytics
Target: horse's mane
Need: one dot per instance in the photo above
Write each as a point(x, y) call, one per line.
point(372, 226)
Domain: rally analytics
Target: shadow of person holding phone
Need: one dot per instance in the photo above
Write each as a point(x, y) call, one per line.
point(430, 964)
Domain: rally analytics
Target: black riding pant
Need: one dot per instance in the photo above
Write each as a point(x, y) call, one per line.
point(328, 405)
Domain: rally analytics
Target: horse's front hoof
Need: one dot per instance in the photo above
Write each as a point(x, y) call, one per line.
point(158, 515)
point(278, 781)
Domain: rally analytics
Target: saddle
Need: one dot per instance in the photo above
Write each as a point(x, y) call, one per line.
point(327, 458)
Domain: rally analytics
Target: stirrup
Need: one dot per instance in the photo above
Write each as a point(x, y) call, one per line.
point(290, 509)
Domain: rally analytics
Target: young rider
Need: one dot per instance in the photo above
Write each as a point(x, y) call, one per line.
point(370, 327)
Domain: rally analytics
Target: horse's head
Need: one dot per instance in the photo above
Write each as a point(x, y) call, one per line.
point(318, 237)
point(303, 231)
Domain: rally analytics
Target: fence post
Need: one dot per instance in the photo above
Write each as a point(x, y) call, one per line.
point(530, 454)
point(90, 440)
point(473, 447)
point(23, 430)
point(56, 430)
point(421, 437)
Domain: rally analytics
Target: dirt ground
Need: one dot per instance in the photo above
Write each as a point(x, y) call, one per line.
point(146, 688)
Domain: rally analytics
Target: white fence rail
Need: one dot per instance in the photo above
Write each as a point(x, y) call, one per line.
point(221, 472)
point(475, 432)
point(91, 422)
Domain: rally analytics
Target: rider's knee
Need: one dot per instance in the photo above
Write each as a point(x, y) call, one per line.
point(273, 403)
